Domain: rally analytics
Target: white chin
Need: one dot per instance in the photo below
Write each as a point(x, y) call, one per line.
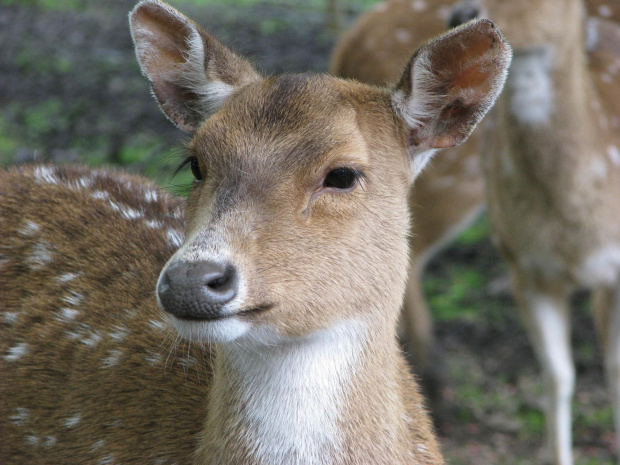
point(225, 330)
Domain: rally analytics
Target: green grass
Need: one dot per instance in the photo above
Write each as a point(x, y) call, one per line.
point(475, 233)
point(59, 5)
point(453, 297)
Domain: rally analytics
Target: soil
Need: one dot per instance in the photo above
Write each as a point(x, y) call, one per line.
point(70, 90)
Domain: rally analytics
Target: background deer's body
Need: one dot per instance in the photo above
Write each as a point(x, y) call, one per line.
point(290, 275)
point(553, 182)
point(450, 193)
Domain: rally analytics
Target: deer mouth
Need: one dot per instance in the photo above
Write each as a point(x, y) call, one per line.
point(243, 312)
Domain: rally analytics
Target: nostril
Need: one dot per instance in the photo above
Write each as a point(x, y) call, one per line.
point(222, 281)
point(164, 283)
point(215, 284)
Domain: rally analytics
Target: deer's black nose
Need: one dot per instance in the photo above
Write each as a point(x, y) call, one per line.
point(197, 290)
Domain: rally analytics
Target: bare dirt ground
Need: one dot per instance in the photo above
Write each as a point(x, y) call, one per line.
point(70, 91)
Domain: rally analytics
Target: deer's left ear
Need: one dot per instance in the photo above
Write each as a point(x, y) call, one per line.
point(448, 86)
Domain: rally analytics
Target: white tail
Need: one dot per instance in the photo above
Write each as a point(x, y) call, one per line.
point(286, 284)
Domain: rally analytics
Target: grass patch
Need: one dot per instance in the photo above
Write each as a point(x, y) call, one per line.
point(477, 232)
point(57, 5)
point(454, 296)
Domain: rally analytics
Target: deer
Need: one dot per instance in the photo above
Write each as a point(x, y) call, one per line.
point(553, 180)
point(450, 193)
point(255, 321)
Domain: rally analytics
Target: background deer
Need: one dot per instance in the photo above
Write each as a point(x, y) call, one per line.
point(553, 180)
point(450, 193)
point(288, 276)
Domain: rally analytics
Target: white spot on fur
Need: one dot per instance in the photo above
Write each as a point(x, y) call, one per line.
point(21, 416)
point(119, 333)
point(97, 445)
point(614, 154)
point(598, 168)
point(92, 340)
point(106, 460)
point(601, 267)
point(126, 211)
point(112, 358)
point(73, 421)
point(607, 78)
point(418, 5)
point(16, 352)
point(66, 277)
point(45, 174)
point(605, 11)
point(403, 35)
point(49, 441)
point(153, 224)
point(153, 358)
point(32, 440)
point(40, 255)
point(30, 228)
point(150, 196)
point(531, 88)
point(592, 35)
point(175, 238)
point(74, 299)
point(100, 195)
point(10, 317)
point(67, 314)
point(82, 183)
point(422, 448)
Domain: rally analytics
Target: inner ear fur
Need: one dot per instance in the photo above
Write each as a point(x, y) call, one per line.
point(450, 83)
point(190, 72)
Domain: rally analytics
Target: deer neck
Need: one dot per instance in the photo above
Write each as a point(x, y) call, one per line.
point(292, 402)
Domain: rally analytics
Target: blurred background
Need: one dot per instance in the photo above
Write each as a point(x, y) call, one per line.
point(71, 91)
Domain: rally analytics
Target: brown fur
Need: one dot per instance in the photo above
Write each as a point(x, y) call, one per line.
point(84, 368)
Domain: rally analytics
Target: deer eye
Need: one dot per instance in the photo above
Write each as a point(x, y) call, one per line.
point(195, 167)
point(341, 178)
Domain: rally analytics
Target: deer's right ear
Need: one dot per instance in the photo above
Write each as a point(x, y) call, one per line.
point(190, 72)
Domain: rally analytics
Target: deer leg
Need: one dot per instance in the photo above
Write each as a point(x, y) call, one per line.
point(607, 319)
point(418, 320)
point(547, 320)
